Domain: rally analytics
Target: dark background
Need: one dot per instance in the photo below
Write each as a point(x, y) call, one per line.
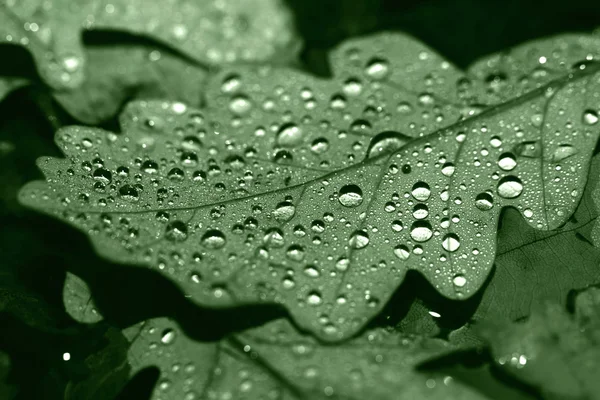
point(35, 251)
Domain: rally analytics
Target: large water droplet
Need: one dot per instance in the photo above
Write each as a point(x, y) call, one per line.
point(459, 280)
point(507, 161)
point(590, 117)
point(421, 231)
point(176, 231)
point(213, 239)
point(128, 192)
point(401, 251)
point(510, 187)
point(386, 142)
point(168, 336)
point(350, 196)
point(421, 191)
point(289, 135)
point(451, 242)
point(314, 298)
point(359, 239)
point(284, 211)
point(484, 201)
point(377, 68)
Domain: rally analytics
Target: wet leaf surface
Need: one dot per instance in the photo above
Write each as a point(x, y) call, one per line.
point(309, 217)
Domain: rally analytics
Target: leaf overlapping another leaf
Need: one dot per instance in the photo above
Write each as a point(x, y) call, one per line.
point(210, 32)
point(276, 192)
point(273, 361)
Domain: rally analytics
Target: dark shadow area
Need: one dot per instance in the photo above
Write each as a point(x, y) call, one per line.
point(141, 385)
point(474, 369)
point(452, 313)
point(17, 63)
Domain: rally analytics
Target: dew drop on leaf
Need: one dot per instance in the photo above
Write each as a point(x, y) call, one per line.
point(510, 187)
point(484, 201)
point(359, 239)
point(590, 117)
point(168, 336)
point(451, 242)
point(377, 68)
point(350, 196)
point(213, 239)
point(284, 211)
point(507, 161)
point(401, 251)
point(421, 191)
point(314, 298)
point(289, 135)
point(459, 280)
point(386, 142)
point(530, 149)
point(421, 231)
point(176, 231)
point(129, 193)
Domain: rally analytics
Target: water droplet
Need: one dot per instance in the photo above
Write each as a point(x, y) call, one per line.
point(342, 264)
point(128, 192)
point(420, 211)
point(168, 336)
point(189, 159)
point(402, 252)
point(448, 169)
point(421, 231)
point(149, 167)
point(378, 68)
point(386, 142)
point(295, 252)
point(176, 231)
point(451, 242)
point(507, 161)
point(359, 239)
point(103, 175)
point(289, 135)
point(213, 239)
point(314, 298)
point(459, 280)
point(320, 145)
point(564, 151)
point(311, 271)
point(421, 191)
point(484, 201)
point(590, 117)
point(240, 104)
point(350, 196)
point(352, 87)
point(510, 187)
point(284, 211)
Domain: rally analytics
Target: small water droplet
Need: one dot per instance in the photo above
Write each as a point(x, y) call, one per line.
point(448, 169)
